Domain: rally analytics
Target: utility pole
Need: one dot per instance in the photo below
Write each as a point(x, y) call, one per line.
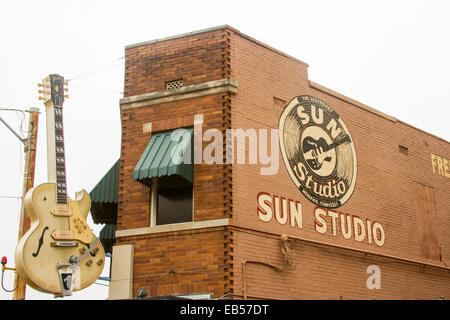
point(28, 181)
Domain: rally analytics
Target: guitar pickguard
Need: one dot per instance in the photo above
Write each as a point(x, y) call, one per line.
point(79, 227)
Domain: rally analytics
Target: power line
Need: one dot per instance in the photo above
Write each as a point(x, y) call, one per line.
point(22, 139)
point(98, 69)
point(16, 109)
point(98, 89)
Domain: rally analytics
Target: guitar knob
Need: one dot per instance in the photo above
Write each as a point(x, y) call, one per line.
point(89, 263)
point(74, 259)
point(100, 262)
point(82, 249)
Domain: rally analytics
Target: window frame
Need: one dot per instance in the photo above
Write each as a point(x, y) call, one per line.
point(154, 205)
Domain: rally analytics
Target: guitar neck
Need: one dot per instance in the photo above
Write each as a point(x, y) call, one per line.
point(60, 165)
point(56, 162)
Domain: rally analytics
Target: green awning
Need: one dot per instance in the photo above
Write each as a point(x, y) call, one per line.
point(107, 188)
point(108, 237)
point(108, 232)
point(168, 153)
point(104, 197)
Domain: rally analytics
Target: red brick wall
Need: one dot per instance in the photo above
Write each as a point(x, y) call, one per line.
point(195, 257)
point(325, 272)
point(384, 192)
point(134, 198)
point(195, 59)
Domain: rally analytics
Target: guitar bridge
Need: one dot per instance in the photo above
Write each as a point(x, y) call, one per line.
point(63, 244)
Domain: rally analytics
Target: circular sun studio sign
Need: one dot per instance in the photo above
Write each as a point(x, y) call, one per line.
point(318, 151)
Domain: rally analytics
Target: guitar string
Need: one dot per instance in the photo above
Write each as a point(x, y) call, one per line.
point(61, 224)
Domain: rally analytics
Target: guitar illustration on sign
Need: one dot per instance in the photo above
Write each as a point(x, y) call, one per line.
point(316, 152)
point(59, 253)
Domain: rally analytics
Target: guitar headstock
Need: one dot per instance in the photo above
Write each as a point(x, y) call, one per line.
point(53, 89)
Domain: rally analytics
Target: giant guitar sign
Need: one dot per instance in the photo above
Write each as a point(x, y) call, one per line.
point(59, 253)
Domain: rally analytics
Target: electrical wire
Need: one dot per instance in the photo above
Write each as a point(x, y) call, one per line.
point(3, 287)
point(16, 109)
point(98, 69)
point(21, 122)
point(98, 89)
point(22, 215)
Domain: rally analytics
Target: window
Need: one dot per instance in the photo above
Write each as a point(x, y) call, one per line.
point(172, 200)
point(174, 206)
point(166, 167)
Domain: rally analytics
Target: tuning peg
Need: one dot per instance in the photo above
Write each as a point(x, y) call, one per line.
point(66, 96)
point(66, 89)
point(41, 98)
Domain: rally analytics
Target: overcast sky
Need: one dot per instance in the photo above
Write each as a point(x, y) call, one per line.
point(390, 55)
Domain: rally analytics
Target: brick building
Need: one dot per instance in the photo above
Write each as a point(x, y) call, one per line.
point(345, 203)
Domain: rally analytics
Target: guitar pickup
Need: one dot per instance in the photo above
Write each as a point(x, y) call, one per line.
point(63, 244)
point(62, 235)
point(61, 211)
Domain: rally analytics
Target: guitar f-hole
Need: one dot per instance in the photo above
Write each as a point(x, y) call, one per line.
point(41, 242)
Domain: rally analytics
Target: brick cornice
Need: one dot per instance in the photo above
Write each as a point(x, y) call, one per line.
point(188, 92)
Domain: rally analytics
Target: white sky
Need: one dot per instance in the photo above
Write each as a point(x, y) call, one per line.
point(390, 55)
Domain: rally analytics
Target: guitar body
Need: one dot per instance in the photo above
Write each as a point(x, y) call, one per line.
point(57, 232)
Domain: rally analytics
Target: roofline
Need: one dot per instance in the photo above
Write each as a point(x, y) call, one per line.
point(376, 112)
point(182, 35)
point(225, 26)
